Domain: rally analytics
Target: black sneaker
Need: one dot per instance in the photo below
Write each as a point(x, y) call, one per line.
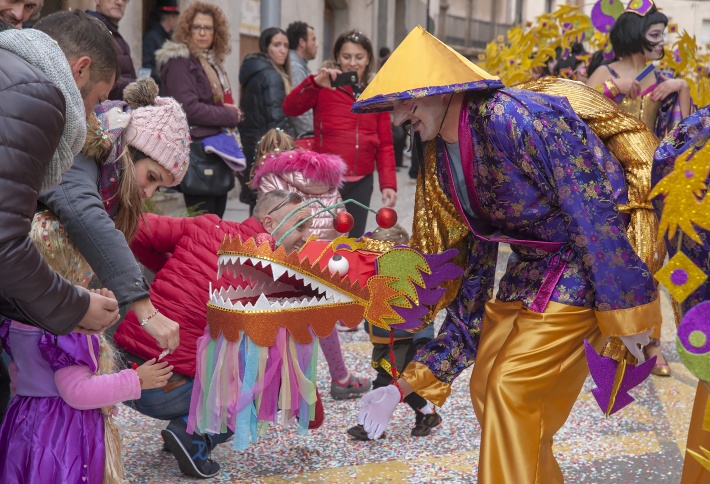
point(359, 433)
point(191, 451)
point(425, 423)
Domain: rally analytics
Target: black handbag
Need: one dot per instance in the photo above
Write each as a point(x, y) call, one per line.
point(207, 173)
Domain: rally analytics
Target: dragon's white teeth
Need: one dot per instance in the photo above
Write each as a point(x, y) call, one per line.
point(240, 306)
point(262, 303)
point(277, 271)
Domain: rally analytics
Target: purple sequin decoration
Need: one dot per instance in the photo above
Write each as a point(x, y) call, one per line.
point(679, 277)
point(697, 319)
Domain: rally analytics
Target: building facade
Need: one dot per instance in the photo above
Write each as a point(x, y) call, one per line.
point(468, 25)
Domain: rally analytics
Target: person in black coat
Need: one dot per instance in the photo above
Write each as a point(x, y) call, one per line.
point(166, 15)
point(265, 79)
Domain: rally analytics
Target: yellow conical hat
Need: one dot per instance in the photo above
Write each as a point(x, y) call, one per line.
point(422, 66)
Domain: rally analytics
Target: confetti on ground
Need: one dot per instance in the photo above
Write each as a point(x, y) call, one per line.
point(636, 445)
point(643, 443)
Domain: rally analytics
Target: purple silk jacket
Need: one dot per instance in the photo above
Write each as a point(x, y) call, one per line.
point(538, 178)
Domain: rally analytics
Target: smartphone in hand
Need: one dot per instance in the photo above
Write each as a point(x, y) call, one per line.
point(345, 79)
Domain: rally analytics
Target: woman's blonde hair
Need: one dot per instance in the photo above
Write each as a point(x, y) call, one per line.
point(130, 207)
point(221, 41)
point(274, 141)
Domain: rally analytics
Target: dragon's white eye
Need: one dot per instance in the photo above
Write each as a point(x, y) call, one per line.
point(338, 264)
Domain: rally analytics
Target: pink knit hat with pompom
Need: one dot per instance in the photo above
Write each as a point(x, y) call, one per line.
point(160, 130)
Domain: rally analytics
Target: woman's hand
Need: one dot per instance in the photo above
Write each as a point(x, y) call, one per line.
point(165, 331)
point(628, 87)
point(389, 197)
point(325, 75)
point(240, 114)
point(154, 375)
point(668, 87)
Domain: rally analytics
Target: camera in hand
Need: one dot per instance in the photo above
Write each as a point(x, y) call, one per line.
point(345, 79)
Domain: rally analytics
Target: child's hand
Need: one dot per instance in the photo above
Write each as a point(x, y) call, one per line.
point(154, 375)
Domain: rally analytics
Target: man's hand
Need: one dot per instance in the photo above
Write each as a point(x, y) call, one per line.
point(376, 409)
point(165, 331)
point(102, 312)
point(635, 343)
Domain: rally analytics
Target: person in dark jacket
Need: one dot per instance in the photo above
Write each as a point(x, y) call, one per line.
point(364, 141)
point(110, 12)
point(265, 78)
point(166, 13)
point(192, 73)
point(40, 99)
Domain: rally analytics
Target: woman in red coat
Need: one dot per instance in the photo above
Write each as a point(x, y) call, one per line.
point(364, 141)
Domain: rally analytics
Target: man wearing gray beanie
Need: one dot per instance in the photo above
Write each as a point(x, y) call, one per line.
point(42, 126)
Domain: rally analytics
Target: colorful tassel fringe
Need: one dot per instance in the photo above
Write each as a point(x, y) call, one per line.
point(242, 386)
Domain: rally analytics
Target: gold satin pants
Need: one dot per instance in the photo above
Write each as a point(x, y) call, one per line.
point(693, 471)
point(528, 373)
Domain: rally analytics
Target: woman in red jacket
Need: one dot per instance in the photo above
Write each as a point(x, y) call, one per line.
point(364, 141)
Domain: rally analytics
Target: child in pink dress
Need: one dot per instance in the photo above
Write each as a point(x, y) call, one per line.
point(59, 426)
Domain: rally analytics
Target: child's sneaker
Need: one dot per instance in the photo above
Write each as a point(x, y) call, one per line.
point(191, 451)
point(425, 423)
point(359, 433)
point(353, 388)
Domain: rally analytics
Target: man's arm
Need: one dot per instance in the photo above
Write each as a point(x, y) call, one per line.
point(441, 360)
point(77, 203)
point(31, 124)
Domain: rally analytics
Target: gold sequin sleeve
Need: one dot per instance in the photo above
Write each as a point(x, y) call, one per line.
point(437, 224)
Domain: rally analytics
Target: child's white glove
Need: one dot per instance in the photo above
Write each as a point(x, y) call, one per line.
point(376, 408)
point(635, 343)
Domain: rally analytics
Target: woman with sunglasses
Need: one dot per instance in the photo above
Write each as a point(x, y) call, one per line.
point(644, 92)
point(193, 74)
point(363, 141)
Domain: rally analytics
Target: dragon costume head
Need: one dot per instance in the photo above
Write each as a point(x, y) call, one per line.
point(258, 354)
point(307, 291)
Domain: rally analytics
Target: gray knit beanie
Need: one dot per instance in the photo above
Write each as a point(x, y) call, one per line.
point(42, 52)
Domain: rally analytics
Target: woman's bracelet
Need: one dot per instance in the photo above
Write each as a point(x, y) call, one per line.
point(144, 321)
point(134, 367)
point(610, 89)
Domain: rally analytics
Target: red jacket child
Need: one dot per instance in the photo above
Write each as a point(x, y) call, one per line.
point(183, 254)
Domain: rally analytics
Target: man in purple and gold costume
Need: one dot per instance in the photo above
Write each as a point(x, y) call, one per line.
point(517, 167)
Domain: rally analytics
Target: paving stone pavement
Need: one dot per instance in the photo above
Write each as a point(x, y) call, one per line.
point(644, 442)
